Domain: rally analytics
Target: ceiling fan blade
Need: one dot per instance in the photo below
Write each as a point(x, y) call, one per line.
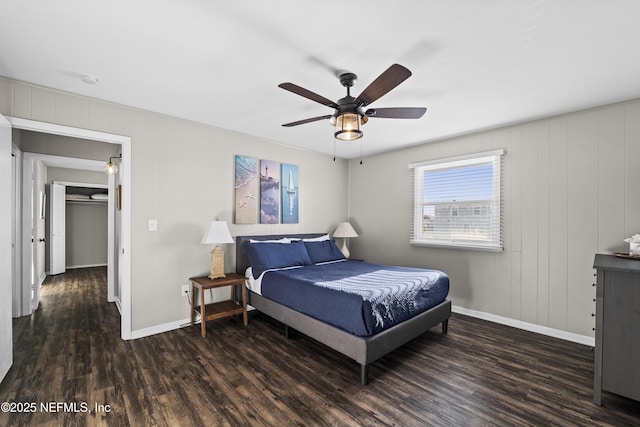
point(308, 94)
point(301, 122)
point(386, 81)
point(397, 113)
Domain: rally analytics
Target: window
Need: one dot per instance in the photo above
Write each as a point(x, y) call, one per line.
point(457, 202)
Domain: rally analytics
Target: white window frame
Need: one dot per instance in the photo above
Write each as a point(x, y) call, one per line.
point(495, 242)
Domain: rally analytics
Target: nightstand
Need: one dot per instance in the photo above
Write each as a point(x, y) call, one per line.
point(217, 310)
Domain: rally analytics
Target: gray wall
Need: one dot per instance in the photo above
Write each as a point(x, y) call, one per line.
point(65, 146)
point(86, 234)
point(183, 176)
point(571, 190)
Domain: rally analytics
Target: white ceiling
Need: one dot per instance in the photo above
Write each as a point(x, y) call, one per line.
point(476, 64)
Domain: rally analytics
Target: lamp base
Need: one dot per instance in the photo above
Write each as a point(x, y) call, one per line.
point(217, 263)
point(344, 249)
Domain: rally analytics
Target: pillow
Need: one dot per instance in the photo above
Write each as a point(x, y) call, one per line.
point(265, 256)
point(312, 239)
point(323, 251)
point(283, 240)
point(317, 239)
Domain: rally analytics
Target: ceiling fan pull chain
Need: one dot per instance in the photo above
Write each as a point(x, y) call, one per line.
point(334, 150)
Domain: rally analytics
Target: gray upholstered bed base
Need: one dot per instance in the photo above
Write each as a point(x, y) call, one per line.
point(364, 350)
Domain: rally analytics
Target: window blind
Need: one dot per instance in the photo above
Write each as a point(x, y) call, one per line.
point(457, 202)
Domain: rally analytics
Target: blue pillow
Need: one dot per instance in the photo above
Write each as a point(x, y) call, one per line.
point(323, 251)
point(265, 256)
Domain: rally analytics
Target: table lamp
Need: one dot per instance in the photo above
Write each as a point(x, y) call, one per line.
point(218, 233)
point(345, 231)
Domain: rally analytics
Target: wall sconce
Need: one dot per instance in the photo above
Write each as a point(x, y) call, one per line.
point(111, 168)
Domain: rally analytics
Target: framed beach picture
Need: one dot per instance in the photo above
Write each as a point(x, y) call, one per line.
point(290, 194)
point(269, 192)
point(246, 190)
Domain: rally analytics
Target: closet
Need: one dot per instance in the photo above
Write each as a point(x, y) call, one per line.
point(78, 226)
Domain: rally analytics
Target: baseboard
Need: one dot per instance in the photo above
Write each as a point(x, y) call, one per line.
point(166, 327)
point(118, 305)
point(72, 267)
point(158, 329)
point(531, 327)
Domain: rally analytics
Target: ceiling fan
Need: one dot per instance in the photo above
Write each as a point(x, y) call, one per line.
point(349, 112)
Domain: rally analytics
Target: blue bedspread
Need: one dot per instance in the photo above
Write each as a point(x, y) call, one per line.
point(359, 297)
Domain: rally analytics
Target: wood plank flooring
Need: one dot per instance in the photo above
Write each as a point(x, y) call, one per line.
point(481, 373)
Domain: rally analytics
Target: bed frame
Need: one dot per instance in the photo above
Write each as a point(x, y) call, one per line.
point(364, 350)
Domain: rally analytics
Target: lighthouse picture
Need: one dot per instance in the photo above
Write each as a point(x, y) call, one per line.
point(269, 192)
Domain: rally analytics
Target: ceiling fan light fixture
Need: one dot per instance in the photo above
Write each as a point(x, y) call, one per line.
point(349, 114)
point(348, 127)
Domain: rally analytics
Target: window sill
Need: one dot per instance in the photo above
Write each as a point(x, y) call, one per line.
point(457, 245)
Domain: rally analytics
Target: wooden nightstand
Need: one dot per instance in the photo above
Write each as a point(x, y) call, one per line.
point(217, 310)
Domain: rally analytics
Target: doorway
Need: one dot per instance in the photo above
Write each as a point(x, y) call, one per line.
point(79, 227)
point(122, 252)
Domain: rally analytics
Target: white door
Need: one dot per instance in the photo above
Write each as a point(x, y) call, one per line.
point(57, 225)
point(6, 340)
point(14, 232)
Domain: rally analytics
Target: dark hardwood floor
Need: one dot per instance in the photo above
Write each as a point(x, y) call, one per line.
point(70, 352)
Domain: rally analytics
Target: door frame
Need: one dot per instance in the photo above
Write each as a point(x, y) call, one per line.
point(16, 278)
point(125, 180)
point(31, 199)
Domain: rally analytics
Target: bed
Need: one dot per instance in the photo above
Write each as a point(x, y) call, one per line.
point(365, 342)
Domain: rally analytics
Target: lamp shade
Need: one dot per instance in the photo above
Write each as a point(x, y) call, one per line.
point(218, 233)
point(345, 230)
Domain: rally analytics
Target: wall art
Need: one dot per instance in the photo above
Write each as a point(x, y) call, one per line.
point(246, 190)
point(269, 192)
point(290, 194)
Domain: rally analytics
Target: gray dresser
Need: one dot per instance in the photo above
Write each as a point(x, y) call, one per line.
point(617, 344)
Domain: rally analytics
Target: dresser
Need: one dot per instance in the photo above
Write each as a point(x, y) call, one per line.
point(617, 341)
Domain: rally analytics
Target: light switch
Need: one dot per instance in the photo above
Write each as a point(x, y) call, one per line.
point(153, 225)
